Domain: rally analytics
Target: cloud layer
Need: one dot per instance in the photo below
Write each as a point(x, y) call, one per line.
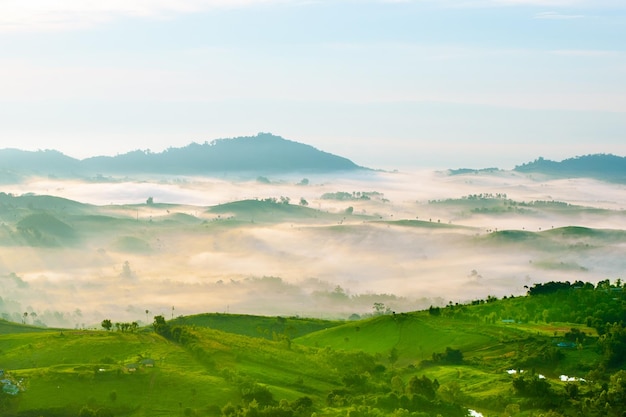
point(331, 264)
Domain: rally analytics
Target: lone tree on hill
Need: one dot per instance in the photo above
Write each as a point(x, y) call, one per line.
point(160, 326)
point(106, 324)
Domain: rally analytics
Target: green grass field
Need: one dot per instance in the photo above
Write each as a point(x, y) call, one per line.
point(64, 371)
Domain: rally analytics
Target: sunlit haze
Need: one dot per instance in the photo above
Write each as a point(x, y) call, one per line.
point(183, 254)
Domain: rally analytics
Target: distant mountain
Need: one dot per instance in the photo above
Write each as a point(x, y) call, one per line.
point(463, 171)
point(260, 154)
point(15, 163)
point(600, 166)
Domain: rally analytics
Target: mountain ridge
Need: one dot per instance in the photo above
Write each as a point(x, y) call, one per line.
point(600, 166)
point(263, 154)
point(606, 167)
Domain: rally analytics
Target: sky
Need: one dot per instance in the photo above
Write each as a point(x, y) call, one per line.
point(386, 83)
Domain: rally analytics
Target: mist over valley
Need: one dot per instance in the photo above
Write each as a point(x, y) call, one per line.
point(314, 244)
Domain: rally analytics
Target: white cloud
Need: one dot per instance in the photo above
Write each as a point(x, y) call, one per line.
point(557, 16)
point(45, 15)
point(586, 53)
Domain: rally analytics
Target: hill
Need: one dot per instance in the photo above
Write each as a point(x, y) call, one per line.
point(9, 327)
point(260, 154)
point(521, 356)
point(256, 326)
point(599, 166)
point(15, 163)
point(271, 210)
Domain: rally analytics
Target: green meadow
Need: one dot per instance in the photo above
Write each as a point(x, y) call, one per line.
point(441, 361)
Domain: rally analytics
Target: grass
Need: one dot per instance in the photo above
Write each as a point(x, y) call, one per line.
point(416, 336)
point(68, 369)
point(62, 370)
point(257, 326)
point(11, 328)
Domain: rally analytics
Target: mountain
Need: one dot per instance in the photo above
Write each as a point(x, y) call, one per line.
point(15, 163)
point(599, 166)
point(260, 154)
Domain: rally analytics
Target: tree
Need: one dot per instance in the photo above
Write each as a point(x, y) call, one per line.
point(86, 412)
point(434, 311)
point(397, 385)
point(160, 326)
point(379, 308)
point(423, 386)
point(451, 356)
point(532, 386)
point(150, 201)
point(106, 324)
point(303, 202)
point(127, 272)
point(393, 356)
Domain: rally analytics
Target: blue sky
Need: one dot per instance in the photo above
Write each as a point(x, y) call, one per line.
point(388, 84)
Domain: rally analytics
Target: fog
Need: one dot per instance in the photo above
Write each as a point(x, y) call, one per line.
point(331, 263)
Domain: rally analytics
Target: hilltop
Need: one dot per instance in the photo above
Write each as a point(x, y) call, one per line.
point(261, 154)
point(599, 166)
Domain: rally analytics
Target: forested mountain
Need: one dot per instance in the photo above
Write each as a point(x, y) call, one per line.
point(15, 163)
point(263, 153)
point(600, 166)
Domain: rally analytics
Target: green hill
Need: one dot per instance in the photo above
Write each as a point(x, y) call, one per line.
point(586, 233)
point(9, 327)
point(43, 229)
point(47, 203)
point(269, 210)
point(441, 361)
point(256, 326)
